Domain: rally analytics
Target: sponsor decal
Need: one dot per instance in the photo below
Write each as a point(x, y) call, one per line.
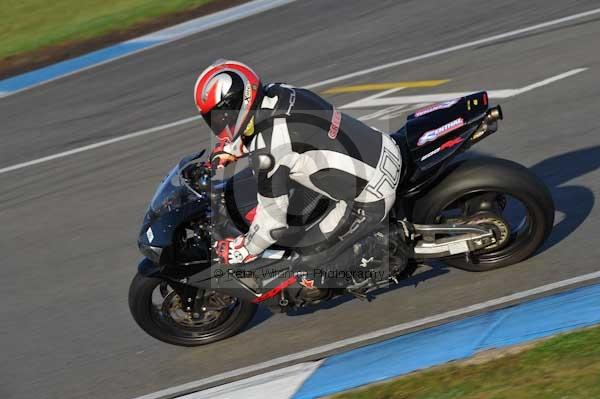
point(292, 101)
point(247, 94)
point(445, 146)
point(388, 169)
point(335, 124)
point(451, 143)
point(435, 107)
point(150, 235)
point(440, 131)
point(432, 153)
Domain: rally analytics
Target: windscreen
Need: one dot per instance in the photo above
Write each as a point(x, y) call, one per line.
point(168, 193)
point(174, 192)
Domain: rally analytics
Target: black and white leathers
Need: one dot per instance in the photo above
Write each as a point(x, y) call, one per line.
point(301, 137)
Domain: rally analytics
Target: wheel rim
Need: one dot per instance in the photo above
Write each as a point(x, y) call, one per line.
point(512, 209)
point(215, 316)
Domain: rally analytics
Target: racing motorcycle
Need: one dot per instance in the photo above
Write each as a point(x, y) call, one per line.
point(475, 214)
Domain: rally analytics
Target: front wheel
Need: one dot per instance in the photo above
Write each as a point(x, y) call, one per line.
point(158, 310)
point(497, 193)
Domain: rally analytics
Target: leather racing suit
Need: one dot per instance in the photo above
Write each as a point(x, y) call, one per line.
point(299, 137)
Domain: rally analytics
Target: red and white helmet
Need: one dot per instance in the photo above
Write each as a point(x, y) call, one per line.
point(226, 93)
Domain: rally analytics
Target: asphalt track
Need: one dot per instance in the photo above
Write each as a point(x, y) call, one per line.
point(68, 227)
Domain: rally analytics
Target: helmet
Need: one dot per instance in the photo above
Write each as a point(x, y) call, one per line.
point(226, 93)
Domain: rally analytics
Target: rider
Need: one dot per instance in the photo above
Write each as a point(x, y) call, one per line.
point(292, 134)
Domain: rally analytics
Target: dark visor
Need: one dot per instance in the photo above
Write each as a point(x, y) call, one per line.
point(224, 114)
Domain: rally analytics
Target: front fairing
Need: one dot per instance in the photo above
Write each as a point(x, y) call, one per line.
point(174, 203)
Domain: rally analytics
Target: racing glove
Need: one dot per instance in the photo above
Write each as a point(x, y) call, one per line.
point(233, 251)
point(226, 152)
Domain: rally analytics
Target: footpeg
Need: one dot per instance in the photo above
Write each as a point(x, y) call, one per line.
point(362, 297)
point(359, 290)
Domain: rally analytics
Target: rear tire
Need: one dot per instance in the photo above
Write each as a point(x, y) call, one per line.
point(499, 176)
point(160, 327)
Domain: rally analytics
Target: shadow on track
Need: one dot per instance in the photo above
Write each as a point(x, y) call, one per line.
point(433, 270)
point(262, 314)
point(575, 202)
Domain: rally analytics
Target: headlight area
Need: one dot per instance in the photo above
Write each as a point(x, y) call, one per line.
point(150, 252)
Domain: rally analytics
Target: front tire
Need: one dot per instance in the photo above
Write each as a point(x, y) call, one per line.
point(179, 328)
point(476, 178)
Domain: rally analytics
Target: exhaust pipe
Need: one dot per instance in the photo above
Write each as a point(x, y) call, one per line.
point(489, 122)
point(494, 114)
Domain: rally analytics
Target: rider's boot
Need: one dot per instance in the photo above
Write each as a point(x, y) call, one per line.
point(385, 256)
point(314, 294)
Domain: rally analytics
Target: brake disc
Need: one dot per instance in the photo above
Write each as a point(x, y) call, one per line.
point(173, 308)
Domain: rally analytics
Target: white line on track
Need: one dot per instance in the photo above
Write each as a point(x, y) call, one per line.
point(380, 101)
point(99, 144)
point(455, 48)
point(314, 85)
point(394, 330)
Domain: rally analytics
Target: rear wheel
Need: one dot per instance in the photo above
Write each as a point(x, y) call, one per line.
point(158, 309)
point(498, 194)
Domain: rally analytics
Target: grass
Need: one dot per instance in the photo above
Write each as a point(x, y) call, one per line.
point(566, 366)
point(29, 25)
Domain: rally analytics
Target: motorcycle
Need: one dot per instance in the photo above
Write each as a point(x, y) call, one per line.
point(475, 214)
